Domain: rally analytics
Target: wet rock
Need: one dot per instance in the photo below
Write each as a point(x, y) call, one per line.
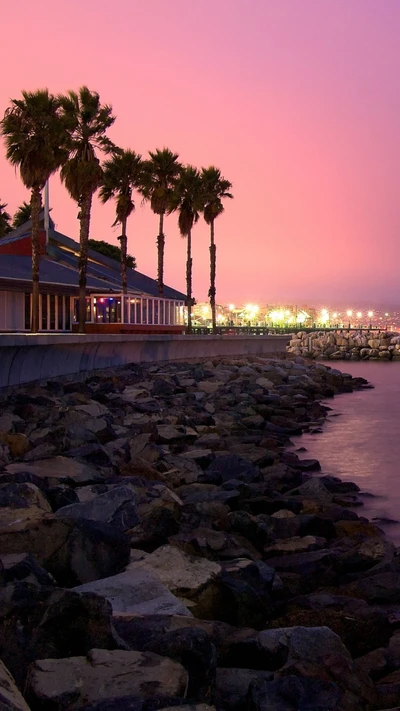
point(230, 466)
point(58, 470)
point(23, 567)
point(232, 686)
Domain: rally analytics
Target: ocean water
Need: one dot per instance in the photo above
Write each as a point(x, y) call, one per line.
point(361, 441)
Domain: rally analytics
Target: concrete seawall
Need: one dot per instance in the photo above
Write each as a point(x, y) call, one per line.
point(26, 358)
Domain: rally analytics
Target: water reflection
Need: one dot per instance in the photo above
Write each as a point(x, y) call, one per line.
point(363, 443)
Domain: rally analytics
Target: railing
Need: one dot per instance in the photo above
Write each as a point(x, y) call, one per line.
point(271, 330)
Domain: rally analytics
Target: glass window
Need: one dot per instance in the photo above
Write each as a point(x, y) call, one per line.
point(52, 303)
point(132, 311)
point(144, 310)
point(27, 311)
point(67, 313)
point(171, 313)
point(60, 324)
point(156, 309)
point(139, 311)
point(161, 312)
point(44, 312)
point(150, 311)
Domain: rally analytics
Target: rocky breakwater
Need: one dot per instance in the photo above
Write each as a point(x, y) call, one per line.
point(160, 547)
point(346, 345)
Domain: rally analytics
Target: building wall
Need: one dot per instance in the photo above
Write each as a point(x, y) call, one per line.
point(23, 247)
point(12, 311)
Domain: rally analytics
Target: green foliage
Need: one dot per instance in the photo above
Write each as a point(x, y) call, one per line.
point(87, 120)
point(187, 198)
point(5, 219)
point(22, 215)
point(160, 175)
point(121, 175)
point(34, 130)
point(111, 251)
point(216, 188)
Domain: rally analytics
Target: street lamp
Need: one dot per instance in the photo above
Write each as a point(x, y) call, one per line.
point(349, 313)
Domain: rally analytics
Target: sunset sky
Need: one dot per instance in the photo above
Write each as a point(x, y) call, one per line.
point(297, 101)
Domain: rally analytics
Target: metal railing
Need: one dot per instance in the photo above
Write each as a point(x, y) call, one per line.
point(271, 330)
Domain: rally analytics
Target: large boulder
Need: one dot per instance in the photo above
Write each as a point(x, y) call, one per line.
point(186, 576)
point(137, 591)
point(73, 552)
point(230, 466)
point(10, 698)
point(116, 507)
point(56, 684)
point(21, 502)
point(58, 470)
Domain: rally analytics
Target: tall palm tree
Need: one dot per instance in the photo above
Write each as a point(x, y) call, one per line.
point(5, 220)
point(34, 130)
point(188, 199)
point(160, 175)
point(22, 215)
point(216, 189)
point(121, 175)
point(82, 172)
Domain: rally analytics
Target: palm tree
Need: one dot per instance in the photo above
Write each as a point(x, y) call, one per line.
point(121, 175)
point(22, 215)
point(34, 130)
point(5, 219)
point(188, 199)
point(160, 175)
point(82, 172)
point(216, 188)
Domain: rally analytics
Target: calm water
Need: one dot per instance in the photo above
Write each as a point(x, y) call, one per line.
point(363, 443)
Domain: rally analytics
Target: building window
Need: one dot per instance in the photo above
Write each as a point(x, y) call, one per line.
point(156, 307)
point(150, 311)
point(67, 314)
point(60, 313)
point(144, 311)
point(139, 311)
point(44, 311)
point(27, 311)
point(52, 312)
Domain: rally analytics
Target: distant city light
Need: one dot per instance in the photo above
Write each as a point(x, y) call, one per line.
point(335, 315)
point(359, 314)
point(349, 312)
point(231, 307)
point(324, 312)
point(370, 314)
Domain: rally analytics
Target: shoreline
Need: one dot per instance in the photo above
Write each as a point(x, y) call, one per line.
point(163, 502)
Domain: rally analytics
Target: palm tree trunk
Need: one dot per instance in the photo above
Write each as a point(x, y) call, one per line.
point(124, 250)
point(36, 204)
point(160, 252)
point(189, 262)
point(86, 206)
point(213, 269)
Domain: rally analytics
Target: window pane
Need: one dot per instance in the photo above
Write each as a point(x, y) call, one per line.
point(156, 304)
point(60, 313)
point(67, 314)
point(161, 312)
point(139, 311)
point(44, 312)
point(52, 312)
point(27, 311)
point(144, 310)
point(149, 310)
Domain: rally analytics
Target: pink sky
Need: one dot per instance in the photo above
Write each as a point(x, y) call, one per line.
point(297, 101)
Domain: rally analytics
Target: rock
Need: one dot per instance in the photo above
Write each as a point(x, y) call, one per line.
point(137, 591)
point(296, 544)
point(101, 675)
point(230, 466)
point(186, 576)
point(232, 686)
point(116, 507)
point(24, 567)
point(10, 698)
point(58, 470)
point(293, 693)
point(21, 503)
point(72, 551)
point(192, 647)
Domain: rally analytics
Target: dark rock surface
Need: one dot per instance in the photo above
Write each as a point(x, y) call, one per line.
point(161, 546)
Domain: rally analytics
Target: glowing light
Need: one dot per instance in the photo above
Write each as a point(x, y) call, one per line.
point(220, 318)
point(349, 312)
point(324, 317)
point(386, 314)
point(301, 317)
point(287, 312)
point(290, 319)
point(370, 314)
point(335, 315)
point(324, 312)
point(359, 314)
point(205, 310)
point(249, 308)
point(231, 307)
point(255, 309)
